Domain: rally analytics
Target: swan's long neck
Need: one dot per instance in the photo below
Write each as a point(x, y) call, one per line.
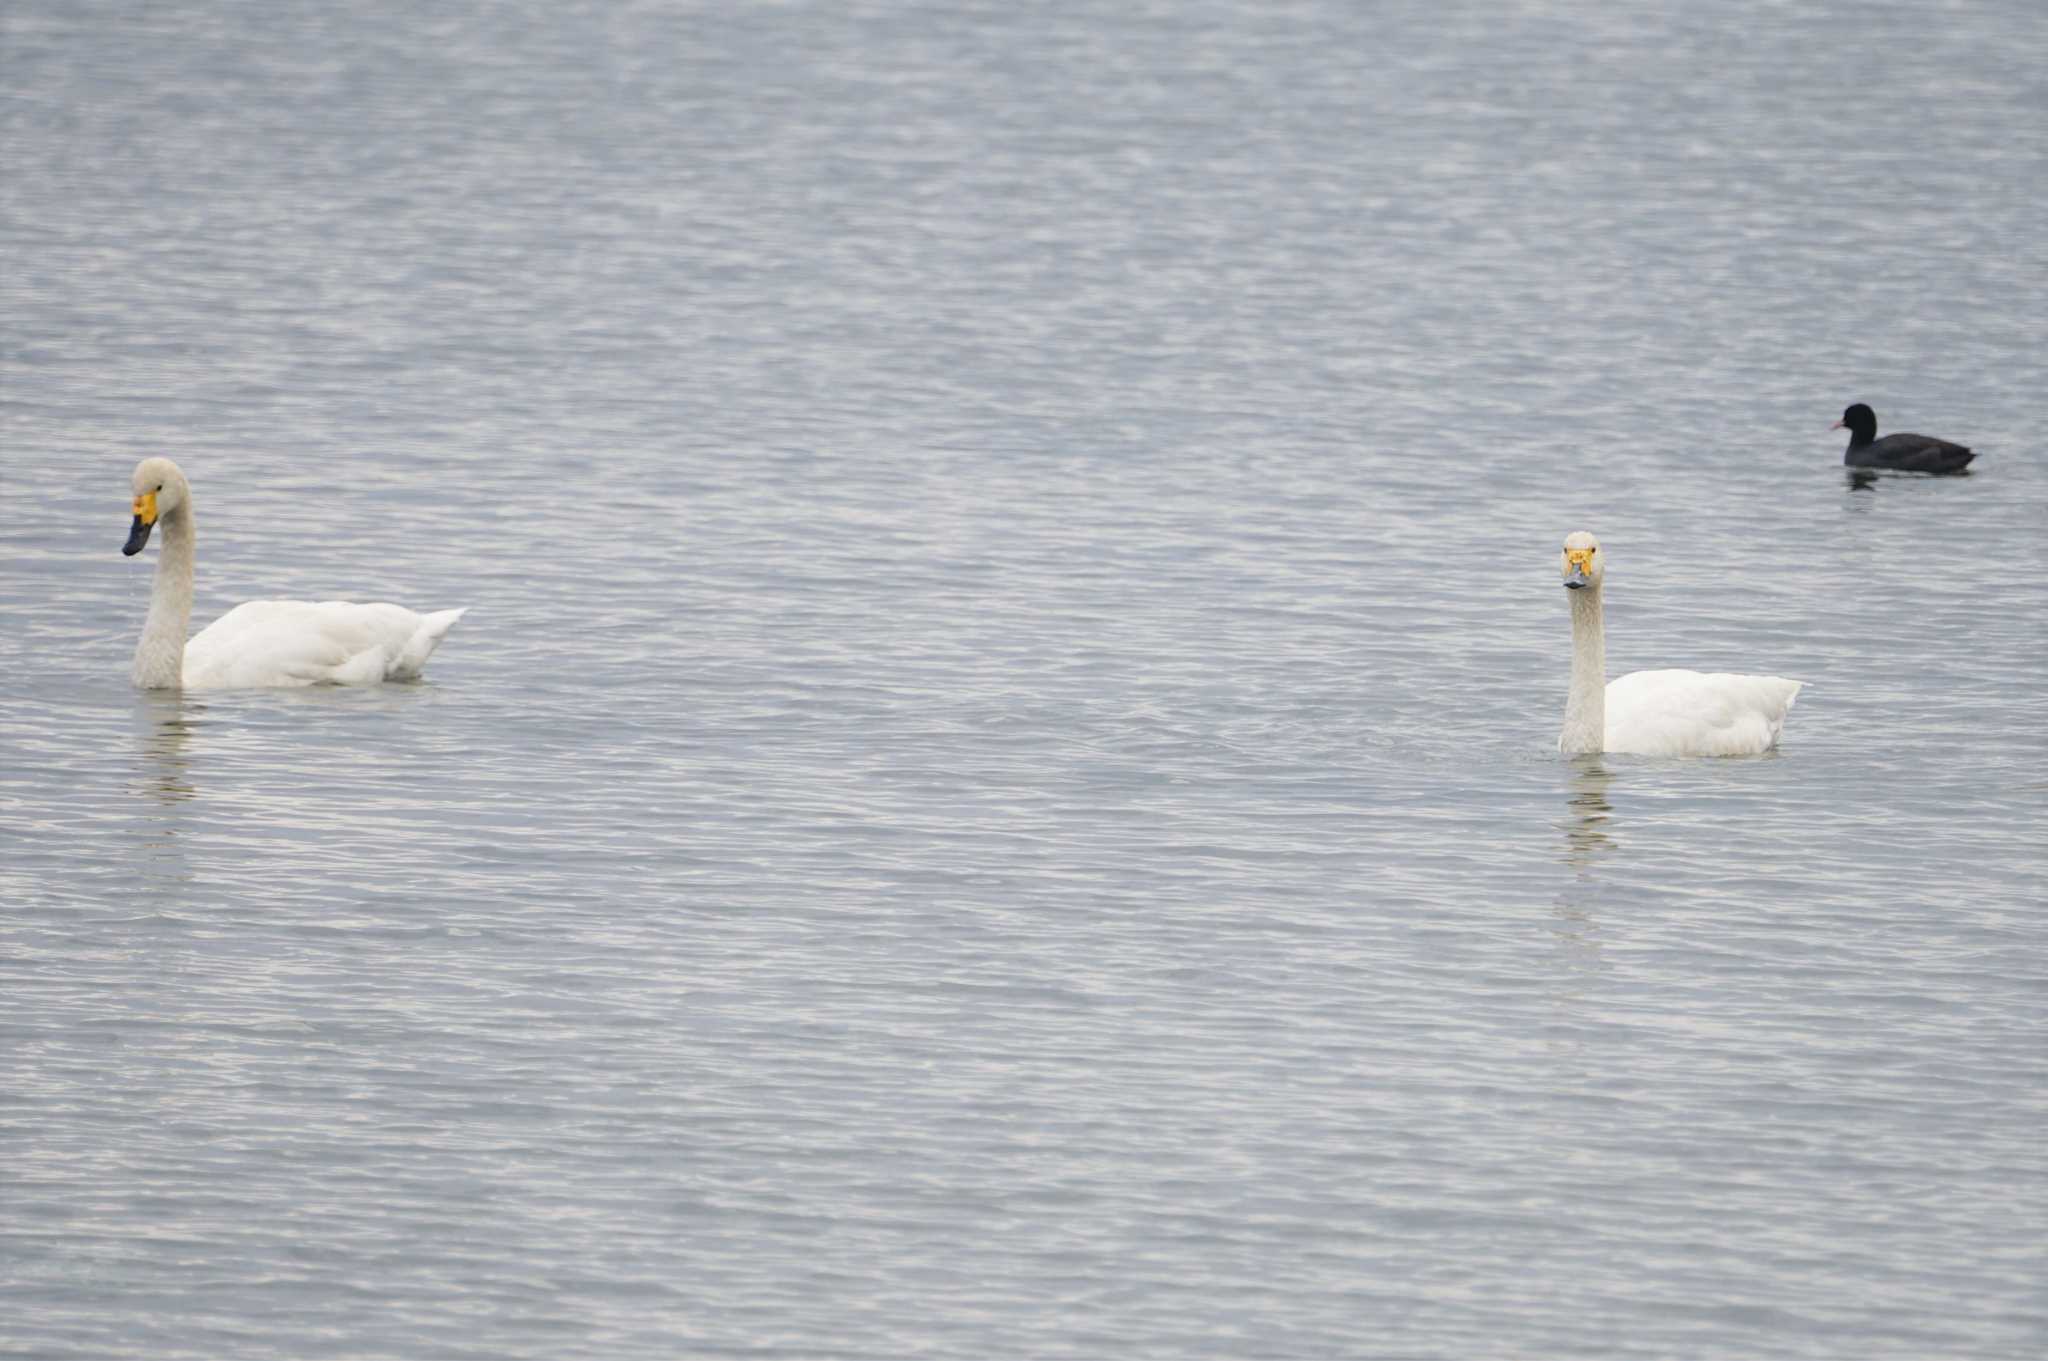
point(160, 655)
point(1585, 708)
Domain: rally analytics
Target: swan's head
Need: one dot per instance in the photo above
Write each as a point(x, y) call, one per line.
point(160, 490)
point(1859, 420)
point(1583, 564)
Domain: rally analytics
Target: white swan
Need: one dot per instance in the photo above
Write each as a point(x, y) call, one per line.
point(1656, 713)
point(263, 642)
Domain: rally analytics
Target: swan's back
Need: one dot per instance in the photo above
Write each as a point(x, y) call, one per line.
point(1693, 713)
point(300, 642)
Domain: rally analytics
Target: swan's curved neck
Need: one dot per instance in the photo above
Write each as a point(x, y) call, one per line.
point(1585, 707)
point(160, 655)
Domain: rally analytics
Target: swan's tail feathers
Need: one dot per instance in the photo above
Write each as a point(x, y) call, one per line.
point(433, 628)
point(440, 621)
point(1783, 695)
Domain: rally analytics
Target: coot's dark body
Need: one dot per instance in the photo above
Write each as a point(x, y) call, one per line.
point(1903, 453)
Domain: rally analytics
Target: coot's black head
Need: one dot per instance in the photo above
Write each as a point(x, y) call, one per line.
point(1861, 423)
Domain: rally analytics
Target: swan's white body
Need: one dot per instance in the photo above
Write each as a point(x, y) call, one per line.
point(1657, 713)
point(299, 642)
point(262, 642)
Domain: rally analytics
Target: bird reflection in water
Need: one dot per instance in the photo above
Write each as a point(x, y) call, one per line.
point(169, 721)
point(163, 777)
point(1586, 840)
point(1867, 479)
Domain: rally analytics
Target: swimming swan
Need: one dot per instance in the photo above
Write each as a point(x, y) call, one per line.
point(1656, 713)
point(263, 642)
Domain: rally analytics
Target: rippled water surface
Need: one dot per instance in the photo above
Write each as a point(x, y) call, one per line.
point(997, 796)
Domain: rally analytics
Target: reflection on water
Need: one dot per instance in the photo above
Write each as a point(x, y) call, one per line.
point(389, 697)
point(1585, 824)
point(1586, 840)
point(1865, 479)
point(168, 723)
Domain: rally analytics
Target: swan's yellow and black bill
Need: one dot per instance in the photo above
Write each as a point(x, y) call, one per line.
point(145, 518)
point(1580, 560)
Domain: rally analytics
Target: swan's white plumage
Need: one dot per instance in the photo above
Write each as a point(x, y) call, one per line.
point(1656, 713)
point(1694, 713)
point(263, 642)
point(299, 642)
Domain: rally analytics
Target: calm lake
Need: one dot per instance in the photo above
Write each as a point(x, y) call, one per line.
point(998, 794)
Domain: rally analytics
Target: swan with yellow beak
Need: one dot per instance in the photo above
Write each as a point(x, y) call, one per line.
point(1655, 713)
point(261, 642)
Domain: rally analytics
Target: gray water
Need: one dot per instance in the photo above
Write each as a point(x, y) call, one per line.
point(997, 796)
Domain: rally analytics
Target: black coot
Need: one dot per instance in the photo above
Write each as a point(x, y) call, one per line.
point(1906, 453)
